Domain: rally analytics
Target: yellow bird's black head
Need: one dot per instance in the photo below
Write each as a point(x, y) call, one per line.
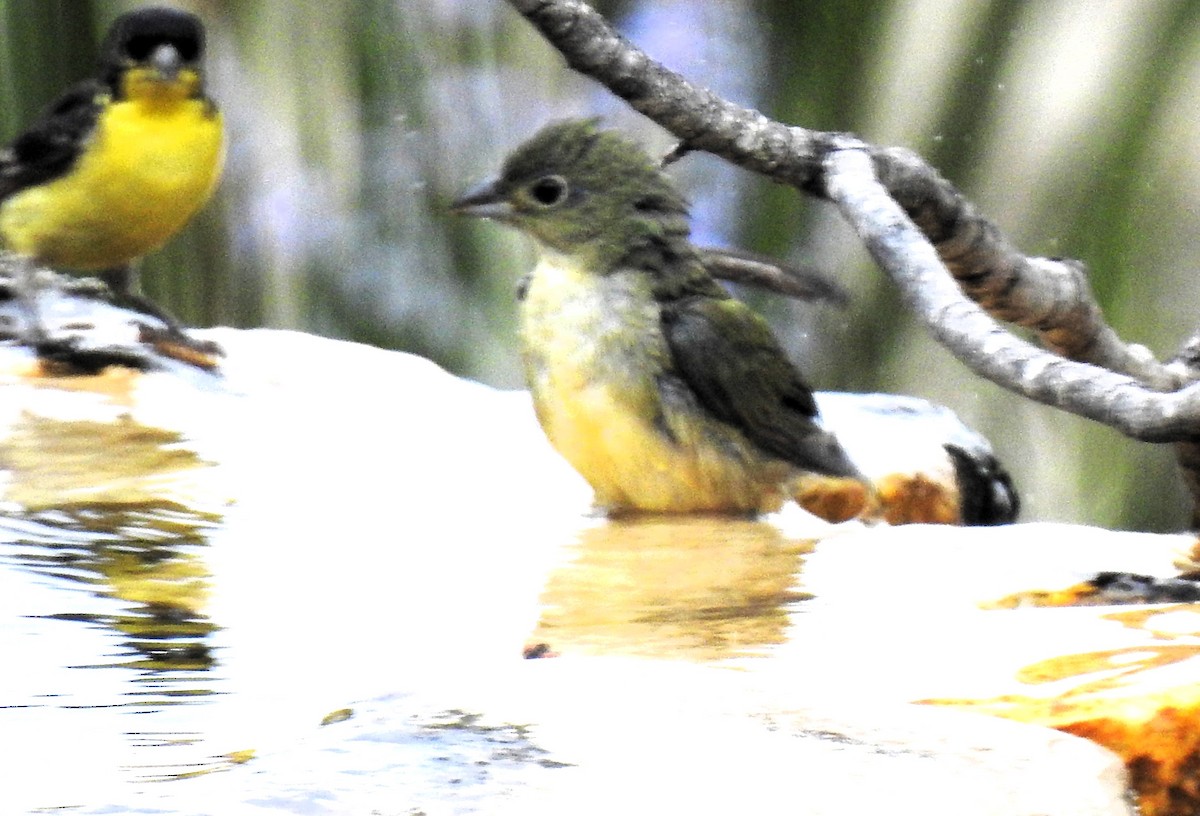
point(154, 51)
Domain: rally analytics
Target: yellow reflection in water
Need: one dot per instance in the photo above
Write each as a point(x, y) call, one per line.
point(165, 627)
point(56, 464)
point(162, 583)
point(698, 587)
point(107, 505)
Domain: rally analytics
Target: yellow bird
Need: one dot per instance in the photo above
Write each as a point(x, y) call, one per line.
point(119, 163)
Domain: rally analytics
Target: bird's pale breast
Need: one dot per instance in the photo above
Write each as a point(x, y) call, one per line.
point(595, 355)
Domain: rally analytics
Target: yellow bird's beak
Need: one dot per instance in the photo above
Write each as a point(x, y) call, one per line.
point(166, 62)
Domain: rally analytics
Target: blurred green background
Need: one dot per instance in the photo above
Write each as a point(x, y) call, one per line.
point(351, 123)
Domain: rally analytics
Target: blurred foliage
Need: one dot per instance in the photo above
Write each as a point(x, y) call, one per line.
point(351, 124)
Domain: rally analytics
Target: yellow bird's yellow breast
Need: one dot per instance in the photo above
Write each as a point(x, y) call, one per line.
point(594, 353)
point(148, 166)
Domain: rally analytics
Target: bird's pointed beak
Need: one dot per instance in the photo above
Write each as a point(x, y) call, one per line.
point(166, 62)
point(484, 201)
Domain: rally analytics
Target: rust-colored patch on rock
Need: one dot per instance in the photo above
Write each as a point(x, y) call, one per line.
point(115, 382)
point(909, 498)
point(1082, 594)
point(1162, 753)
point(917, 499)
point(1135, 701)
point(834, 500)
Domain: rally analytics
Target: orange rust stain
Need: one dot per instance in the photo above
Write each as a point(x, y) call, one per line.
point(116, 382)
point(1162, 754)
point(917, 499)
point(1155, 732)
point(1123, 664)
point(835, 500)
point(1160, 747)
point(898, 499)
point(1142, 618)
point(1083, 594)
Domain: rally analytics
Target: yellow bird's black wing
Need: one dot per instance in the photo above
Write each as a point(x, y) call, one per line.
point(50, 146)
point(728, 357)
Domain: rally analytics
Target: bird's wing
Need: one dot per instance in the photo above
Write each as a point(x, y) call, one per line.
point(49, 147)
point(752, 269)
point(744, 379)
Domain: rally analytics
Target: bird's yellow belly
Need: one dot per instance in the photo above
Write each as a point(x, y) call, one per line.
point(145, 173)
point(632, 464)
point(593, 358)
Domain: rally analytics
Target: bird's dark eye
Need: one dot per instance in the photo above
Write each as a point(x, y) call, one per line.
point(549, 190)
point(188, 48)
point(139, 47)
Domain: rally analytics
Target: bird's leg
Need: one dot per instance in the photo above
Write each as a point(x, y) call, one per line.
point(25, 290)
point(123, 282)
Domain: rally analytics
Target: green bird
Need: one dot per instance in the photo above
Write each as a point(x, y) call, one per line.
point(667, 394)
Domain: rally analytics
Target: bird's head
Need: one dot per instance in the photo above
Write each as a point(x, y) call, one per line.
point(582, 191)
point(155, 52)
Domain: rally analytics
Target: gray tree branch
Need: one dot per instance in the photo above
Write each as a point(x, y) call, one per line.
point(1053, 298)
point(918, 226)
point(902, 250)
